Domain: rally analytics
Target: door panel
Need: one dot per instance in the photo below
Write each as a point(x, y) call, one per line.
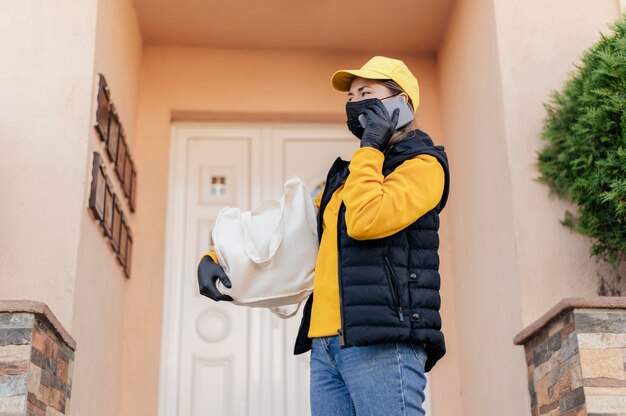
point(214, 335)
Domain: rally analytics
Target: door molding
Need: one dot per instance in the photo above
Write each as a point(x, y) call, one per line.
point(174, 237)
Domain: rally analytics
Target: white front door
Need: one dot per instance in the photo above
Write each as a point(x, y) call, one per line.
point(217, 358)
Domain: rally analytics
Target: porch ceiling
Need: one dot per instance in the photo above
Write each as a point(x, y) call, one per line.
point(412, 27)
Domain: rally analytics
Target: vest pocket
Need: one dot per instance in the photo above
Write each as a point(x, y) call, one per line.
point(396, 293)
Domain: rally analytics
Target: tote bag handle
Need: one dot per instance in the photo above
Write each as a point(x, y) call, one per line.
point(287, 311)
point(250, 247)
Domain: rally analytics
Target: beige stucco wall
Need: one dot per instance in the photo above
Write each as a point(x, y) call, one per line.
point(45, 84)
point(539, 43)
point(512, 258)
point(226, 80)
point(488, 309)
point(100, 283)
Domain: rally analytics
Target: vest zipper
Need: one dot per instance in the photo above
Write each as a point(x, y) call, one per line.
point(340, 331)
point(397, 298)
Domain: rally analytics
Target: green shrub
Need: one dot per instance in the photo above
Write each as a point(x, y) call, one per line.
point(584, 160)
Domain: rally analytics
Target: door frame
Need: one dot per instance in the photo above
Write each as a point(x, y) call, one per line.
point(174, 236)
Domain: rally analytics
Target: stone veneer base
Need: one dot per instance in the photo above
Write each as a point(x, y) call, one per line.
point(576, 358)
point(36, 361)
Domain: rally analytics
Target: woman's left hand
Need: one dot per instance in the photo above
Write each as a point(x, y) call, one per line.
point(379, 127)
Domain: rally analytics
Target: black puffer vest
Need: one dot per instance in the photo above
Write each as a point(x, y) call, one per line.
point(388, 287)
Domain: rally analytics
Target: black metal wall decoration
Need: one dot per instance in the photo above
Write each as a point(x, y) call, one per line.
point(98, 188)
point(112, 143)
point(103, 109)
point(129, 250)
point(109, 201)
point(104, 203)
point(117, 225)
point(133, 190)
point(120, 162)
point(121, 252)
point(128, 173)
point(125, 169)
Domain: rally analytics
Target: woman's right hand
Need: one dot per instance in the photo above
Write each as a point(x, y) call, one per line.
point(208, 274)
point(379, 126)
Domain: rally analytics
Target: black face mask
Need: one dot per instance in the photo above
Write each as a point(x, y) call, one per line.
point(355, 108)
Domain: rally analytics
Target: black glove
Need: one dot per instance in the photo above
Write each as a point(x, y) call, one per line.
point(208, 273)
point(379, 127)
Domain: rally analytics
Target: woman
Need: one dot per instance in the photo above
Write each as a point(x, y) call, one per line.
point(372, 323)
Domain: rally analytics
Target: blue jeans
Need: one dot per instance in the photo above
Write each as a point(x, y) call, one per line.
point(381, 379)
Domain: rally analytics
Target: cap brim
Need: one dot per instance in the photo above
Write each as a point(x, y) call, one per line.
point(342, 80)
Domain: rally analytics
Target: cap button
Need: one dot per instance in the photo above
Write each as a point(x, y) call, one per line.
point(416, 316)
point(413, 276)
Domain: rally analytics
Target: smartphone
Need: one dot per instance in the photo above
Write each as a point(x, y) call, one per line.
point(405, 116)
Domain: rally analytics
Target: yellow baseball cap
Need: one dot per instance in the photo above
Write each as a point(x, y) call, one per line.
point(380, 67)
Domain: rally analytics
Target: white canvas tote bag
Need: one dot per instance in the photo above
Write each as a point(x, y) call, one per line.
point(269, 253)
